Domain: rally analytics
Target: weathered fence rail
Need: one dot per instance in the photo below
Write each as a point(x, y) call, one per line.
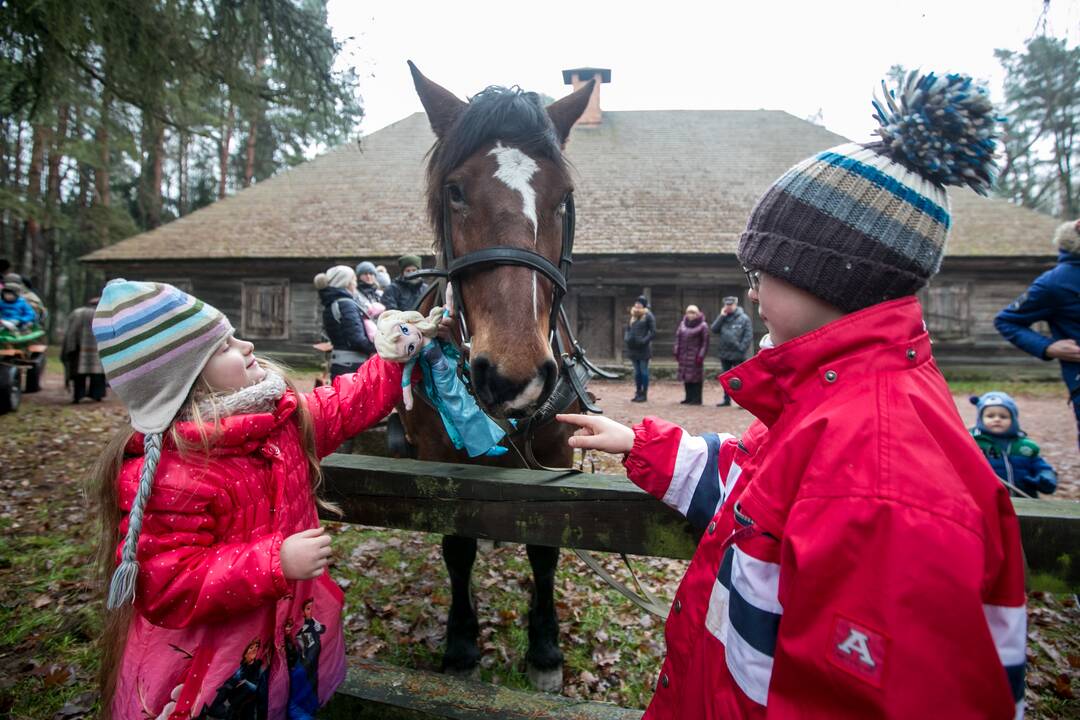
point(588, 511)
point(373, 691)
point(574, 510)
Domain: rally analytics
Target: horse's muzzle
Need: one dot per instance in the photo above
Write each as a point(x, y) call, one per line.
point(505, 397)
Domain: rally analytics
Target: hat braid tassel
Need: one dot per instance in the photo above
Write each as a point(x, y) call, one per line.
point(122, 587)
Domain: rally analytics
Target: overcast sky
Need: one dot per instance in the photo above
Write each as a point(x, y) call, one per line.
point(793, 56)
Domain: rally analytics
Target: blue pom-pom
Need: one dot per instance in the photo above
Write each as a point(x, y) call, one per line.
point(943, 127)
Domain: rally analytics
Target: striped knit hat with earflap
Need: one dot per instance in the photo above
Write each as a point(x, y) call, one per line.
point(154, 340)
point(856, 225)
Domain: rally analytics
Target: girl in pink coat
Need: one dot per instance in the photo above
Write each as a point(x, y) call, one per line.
point(219, 604)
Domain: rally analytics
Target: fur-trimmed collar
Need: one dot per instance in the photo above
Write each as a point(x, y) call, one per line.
point(261, 397)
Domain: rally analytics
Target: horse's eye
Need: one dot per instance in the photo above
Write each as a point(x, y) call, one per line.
point(457, 195)
point(404, 329)
point(412, 346)
point(561, 210)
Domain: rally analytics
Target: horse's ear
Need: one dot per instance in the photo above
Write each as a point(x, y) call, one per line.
point(441, 105)
point(566, 111)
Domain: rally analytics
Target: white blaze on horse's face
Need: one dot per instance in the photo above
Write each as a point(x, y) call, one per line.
point(515, 169)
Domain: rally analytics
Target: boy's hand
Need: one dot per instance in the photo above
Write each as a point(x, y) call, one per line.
point(596, 432)
point(306, 554)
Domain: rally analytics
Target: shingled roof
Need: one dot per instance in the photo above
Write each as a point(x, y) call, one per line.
point(669, 181)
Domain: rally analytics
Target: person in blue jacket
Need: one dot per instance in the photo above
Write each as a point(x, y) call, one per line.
point(1055, 298)
point(1013, 456)
point(15, 312)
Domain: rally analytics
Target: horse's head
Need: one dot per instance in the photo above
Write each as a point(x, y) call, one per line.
point(497, 177)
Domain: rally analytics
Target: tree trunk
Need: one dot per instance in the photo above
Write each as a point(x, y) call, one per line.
point(182, 194)
point(153, 150)
point(101, 139)
point(226, 141)
point(50, 249)
point(249, 164)
point(85, 177)
point(253, 125)
point(18, 240)
point(32, 254)
point(50, 265)
point(5, 146)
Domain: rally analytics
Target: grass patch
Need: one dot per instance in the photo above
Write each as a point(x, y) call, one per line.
point(1016, 388)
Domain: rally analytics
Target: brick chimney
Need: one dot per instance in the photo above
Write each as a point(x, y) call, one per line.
point(578, 77)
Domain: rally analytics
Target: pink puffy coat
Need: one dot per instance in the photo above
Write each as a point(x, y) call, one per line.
point(217, 630)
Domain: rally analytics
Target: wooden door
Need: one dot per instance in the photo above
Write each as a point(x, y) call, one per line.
point(594, 325)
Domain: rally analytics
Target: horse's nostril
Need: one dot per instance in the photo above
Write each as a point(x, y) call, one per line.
point(480, 370)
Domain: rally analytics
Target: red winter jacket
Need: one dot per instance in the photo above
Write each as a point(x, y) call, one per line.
point(859, 558)
point(216, 624)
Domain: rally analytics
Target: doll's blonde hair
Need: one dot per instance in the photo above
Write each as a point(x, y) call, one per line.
point(390, 323)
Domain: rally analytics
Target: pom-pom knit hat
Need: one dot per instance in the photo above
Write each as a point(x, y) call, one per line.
point(1067, 237)
point(860, 224)
point(154, 340)
point(339, 276)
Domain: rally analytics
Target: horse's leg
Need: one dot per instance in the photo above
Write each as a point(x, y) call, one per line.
point(545, 660)
point(462, 655)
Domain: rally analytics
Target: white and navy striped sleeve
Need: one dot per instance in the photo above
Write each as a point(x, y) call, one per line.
point(1008, 627)
point(683, 470)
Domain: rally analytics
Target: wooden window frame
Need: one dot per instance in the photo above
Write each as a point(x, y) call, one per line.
point(245, 328)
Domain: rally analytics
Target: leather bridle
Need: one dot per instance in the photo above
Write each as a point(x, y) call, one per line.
point(574, 368)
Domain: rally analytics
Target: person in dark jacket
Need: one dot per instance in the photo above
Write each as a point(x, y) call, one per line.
point(637, 338)
point(405, 292)
point(367, 288)
point(736, 334)
point(82, 362)
point(342, 320)
point(1055, 298)
point(691, 344)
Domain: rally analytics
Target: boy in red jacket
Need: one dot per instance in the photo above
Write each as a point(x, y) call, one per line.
point(847, 569)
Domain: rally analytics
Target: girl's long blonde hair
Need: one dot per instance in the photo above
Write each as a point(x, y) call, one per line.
point(105, 490)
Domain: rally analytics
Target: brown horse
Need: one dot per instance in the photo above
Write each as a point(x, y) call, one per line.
point(497, 178)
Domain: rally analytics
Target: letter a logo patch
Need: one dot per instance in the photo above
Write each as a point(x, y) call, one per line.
point(857, 650)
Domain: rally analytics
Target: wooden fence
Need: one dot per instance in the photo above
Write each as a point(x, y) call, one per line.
point(604, 513)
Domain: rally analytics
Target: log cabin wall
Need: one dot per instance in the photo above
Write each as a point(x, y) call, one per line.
point(960, 304)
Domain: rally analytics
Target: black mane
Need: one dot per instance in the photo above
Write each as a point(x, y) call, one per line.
point(495, 113)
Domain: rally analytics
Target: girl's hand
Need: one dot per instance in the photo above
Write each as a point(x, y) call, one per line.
point(306, 554)
point(596, 432)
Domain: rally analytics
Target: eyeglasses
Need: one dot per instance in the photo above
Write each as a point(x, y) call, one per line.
point(753, 278)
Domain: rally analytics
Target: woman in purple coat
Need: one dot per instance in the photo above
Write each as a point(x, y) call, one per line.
point(691, 344)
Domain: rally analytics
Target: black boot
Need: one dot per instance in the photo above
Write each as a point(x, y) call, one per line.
point(642, 396)
point(693, 394)
point(726, 403)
